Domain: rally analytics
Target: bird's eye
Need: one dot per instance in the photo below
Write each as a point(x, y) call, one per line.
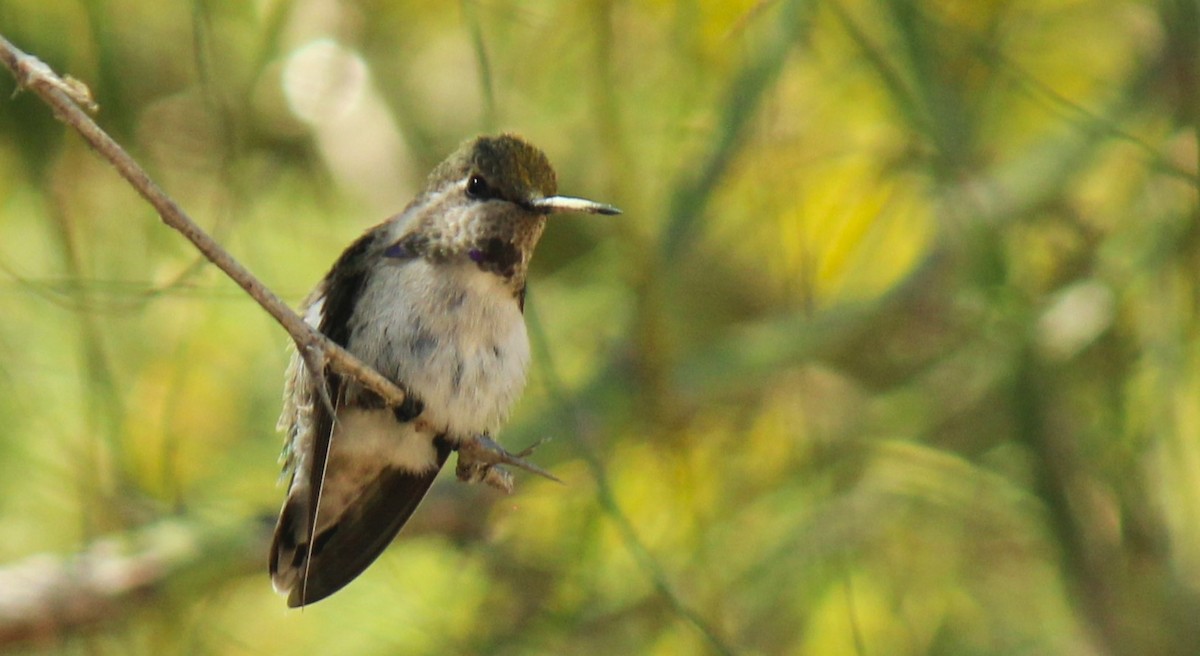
point(479, 189)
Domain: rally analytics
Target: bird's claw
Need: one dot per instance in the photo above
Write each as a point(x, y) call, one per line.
point(480, 458)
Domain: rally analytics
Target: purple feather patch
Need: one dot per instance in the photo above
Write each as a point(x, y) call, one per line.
point(398, 250)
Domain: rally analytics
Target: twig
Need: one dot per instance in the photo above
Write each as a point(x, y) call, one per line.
point(743, 98)
point(64, 96)
point(482, 63)
point(47, 596)
point(567, 405)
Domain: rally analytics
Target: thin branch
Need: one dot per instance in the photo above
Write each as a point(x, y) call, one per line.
point(65, 96)
point(486, 82)
point(48, 596)
point(645, 558)
point(740, 105)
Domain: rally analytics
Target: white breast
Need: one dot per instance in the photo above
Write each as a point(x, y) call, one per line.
point(450, 333)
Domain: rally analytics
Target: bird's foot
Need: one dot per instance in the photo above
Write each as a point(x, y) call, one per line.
point(480, 457)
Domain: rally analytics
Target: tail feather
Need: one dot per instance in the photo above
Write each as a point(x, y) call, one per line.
point(368, 471)
point(346, 545)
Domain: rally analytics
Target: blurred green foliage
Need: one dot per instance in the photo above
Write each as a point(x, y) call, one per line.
point(894, 350)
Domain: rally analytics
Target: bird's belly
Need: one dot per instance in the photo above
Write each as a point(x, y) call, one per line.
point(468, 384)
point(458, 342)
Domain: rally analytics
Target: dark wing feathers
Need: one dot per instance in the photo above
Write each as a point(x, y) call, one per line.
point(341, 552)
point(343, 287)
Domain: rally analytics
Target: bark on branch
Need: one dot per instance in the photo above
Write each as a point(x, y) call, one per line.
point(45, 597)
point(65, 97)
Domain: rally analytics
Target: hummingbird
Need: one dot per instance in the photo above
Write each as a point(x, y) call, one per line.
point(432, 298)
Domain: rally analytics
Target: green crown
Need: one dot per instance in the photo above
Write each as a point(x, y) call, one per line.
point(511, 165)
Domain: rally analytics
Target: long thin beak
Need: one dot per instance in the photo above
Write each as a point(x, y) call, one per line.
point(554, 204)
